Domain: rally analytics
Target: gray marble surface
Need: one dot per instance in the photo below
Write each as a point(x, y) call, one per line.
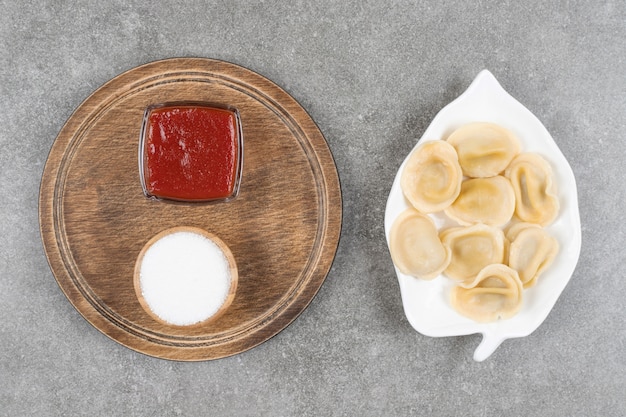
point(372, 74)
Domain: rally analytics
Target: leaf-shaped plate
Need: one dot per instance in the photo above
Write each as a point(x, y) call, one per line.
point(426, 303)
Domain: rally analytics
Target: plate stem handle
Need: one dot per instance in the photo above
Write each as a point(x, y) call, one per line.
point(487, 346)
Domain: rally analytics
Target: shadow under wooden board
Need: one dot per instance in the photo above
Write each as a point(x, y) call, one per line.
point(283, 228)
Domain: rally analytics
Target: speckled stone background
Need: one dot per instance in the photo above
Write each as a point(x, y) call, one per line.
point(372, 74)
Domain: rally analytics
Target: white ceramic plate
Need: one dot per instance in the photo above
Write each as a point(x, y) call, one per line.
point(426, 303)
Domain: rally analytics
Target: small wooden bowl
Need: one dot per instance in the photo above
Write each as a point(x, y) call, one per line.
point(234, 276)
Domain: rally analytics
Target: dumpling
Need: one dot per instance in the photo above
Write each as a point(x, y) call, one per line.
point(484, 200)
point(415, 246)
point(431, 179)
point(496, 293)
point(535, 189)
point(531, 251)
point(484, 149)
point(472, 248)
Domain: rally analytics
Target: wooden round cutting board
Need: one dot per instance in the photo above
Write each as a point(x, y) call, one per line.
point(283, 228)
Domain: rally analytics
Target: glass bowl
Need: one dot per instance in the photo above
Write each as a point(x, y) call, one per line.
point(191, 152)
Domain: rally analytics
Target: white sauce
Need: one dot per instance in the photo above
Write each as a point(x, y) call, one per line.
point(185, 278)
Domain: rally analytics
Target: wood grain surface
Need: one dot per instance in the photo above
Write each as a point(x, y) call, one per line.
point(283, 228)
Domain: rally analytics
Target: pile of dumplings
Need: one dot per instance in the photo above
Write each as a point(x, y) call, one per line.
point(501, 200)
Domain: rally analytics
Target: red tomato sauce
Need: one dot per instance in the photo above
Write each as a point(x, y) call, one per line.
point(191, 153)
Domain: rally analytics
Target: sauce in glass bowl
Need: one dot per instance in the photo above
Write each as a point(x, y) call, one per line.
point(191, 152)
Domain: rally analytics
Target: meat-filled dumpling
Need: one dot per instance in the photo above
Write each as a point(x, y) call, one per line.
point(484, 149)
point(535, 189)
point(431, 179)
point(472, 248)
point(484, 200)
point(531, 251)
point(415, 246)
point(495, 293)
